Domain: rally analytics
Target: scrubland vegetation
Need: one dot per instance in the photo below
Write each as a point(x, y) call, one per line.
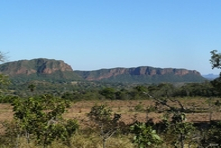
point(168, 122)
point(93, 115)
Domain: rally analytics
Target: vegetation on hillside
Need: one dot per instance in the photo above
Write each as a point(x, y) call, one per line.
point(51, 70)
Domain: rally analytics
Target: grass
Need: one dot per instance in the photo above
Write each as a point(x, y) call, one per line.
point(6, 112)
point(128, 110)
point(80, 140)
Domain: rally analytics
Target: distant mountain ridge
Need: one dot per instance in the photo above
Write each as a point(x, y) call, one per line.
point(43, 68)
point(143, 74)
point(210, 76)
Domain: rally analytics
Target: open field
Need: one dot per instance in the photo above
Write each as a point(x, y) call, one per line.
point(132, 110)
point(129, 113)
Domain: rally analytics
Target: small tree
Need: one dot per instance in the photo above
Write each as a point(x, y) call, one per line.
point(215, 59)
point(216, 63)
point(102, 116)
point(181, 129)
point(214, 134)
point(175, 121)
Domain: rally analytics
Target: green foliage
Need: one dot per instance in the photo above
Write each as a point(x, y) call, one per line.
point(137, 92)
point(7, 98)
point(41, 119)
point(215, 59)
point(100, 114)
point(108, 92)
point(79, 140)
point(180, 129)
point(4, 82)
point(175, 126)
point(145, 136)
point(10, 136)
point(140, 88)
point(197, 89)
point(162, 90)
point(122, 94)
point(102, 117)
point(214, 134)
point(78, 90)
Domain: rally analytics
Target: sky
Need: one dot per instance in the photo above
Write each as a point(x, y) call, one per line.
point(96, 34)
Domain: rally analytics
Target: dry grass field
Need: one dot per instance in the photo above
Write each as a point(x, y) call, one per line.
point(6, 112)
point(129, 113)
point(127, 109)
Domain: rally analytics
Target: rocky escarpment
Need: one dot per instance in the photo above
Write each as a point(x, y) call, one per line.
point(159, 71)
point(35, 66)
point(39, 69)
point(57, 70)
point(142, 74)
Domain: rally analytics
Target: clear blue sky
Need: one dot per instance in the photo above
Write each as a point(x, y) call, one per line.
point(95, 34)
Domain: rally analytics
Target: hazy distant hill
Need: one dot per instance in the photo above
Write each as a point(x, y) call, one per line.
point(210, 76)
point(57, 70)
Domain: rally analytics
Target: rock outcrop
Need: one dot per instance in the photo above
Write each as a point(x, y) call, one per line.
point(142, 74)
point(35, 66)
point(145, 70)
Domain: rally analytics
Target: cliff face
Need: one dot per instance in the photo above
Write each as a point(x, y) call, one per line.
point(159, 71)
point(43, 69)
point(142, 74)
point(35, 66)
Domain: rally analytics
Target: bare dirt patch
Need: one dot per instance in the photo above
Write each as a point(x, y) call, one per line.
point(6, 113)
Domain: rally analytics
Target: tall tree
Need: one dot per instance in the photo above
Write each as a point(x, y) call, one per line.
point(216, 63)
point(4, 80)
point(215, 59)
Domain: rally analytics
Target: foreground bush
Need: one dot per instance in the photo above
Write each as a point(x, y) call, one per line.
point(39, 120)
